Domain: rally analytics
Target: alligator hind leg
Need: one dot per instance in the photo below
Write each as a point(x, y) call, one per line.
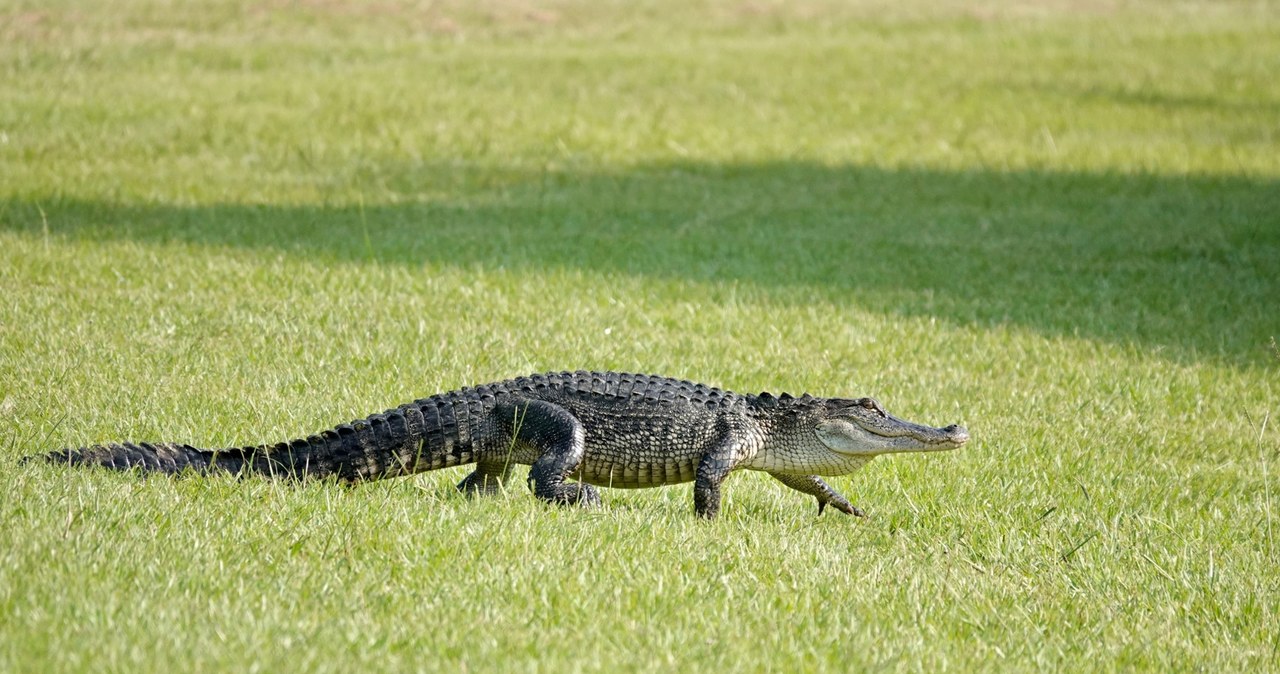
point(814, 486)
point(487, 479)
point(558, 437)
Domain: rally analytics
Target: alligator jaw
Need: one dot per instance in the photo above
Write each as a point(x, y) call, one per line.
point(863, 428)
point(904, 436)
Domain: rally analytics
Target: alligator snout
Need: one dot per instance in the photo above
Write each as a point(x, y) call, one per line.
point(957, 434)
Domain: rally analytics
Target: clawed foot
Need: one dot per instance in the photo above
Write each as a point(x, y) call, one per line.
point(484, 485)
point(843, 506)
point(579, 494)
point(571, 493)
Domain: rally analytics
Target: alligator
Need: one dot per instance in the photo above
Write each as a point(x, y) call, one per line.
point(575, 430)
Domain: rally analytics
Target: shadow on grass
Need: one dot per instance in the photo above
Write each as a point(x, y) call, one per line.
point(1189, 266)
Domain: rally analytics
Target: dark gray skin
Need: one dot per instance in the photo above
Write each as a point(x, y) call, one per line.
point(607, 429)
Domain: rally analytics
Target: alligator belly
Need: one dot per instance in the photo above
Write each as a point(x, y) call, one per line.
point(636, 474)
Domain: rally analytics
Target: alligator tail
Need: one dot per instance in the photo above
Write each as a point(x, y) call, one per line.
point(420, 436)
point(145, 456)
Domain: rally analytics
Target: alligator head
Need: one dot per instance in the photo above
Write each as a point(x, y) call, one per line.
point(862, 428)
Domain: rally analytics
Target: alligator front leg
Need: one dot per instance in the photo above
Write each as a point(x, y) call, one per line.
point(559, 439)
point(814, 486)
point(714, 467)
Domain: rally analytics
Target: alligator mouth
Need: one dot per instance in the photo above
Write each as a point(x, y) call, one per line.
point(953, 435)
point(863, 434)
point(948, 437)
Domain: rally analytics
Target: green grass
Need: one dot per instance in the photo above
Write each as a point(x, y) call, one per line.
point(1057, 223)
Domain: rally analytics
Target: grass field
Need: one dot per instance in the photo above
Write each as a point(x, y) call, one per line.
point(1057, 223)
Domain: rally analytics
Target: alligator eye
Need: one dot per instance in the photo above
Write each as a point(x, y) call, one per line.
point(871, 404)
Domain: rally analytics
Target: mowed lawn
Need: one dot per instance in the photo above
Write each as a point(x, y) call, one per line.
point(1057, 223)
